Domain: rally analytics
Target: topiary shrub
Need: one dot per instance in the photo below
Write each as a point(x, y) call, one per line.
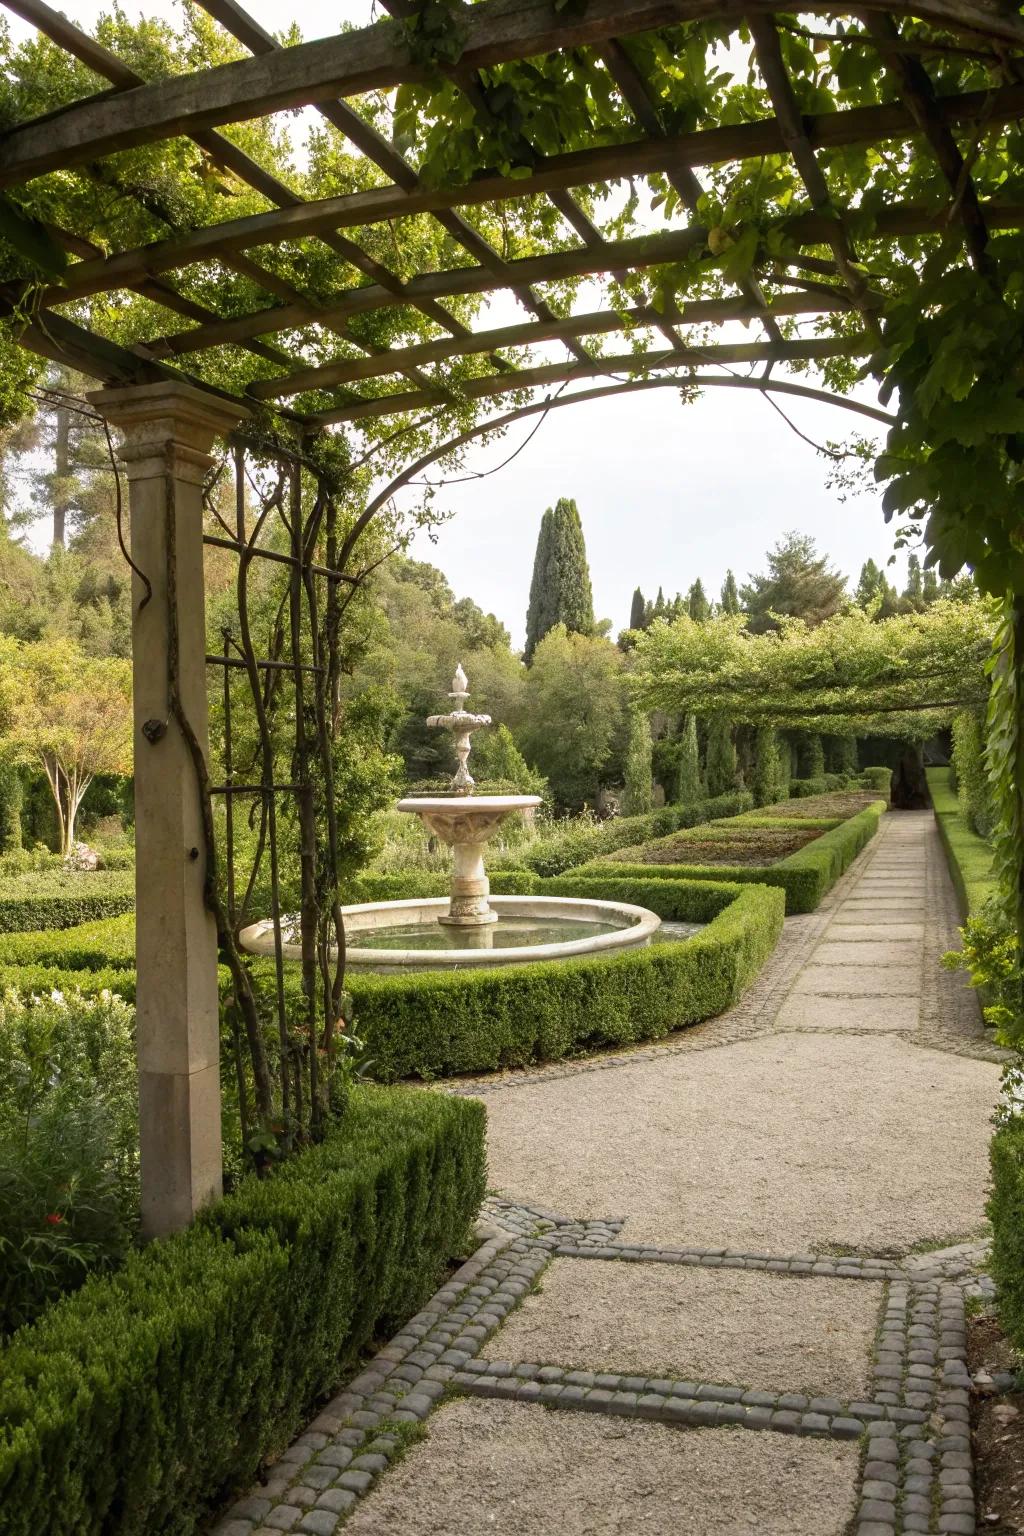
point(803, 789)
point(876, 778)
point(139, 1403)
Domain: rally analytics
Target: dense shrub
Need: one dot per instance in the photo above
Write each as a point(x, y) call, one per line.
point(139, 1402)
point(767, 777)
point(969, 856)
point(410, 884)
point(876, 778)
point(1006, 1212)
point(431, 1024)
point(971, 781)
point(802, 789)
point(805, 875)
point(60, 899)
point(68, 1145)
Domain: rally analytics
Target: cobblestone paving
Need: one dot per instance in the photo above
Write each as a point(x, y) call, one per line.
point(865, 961)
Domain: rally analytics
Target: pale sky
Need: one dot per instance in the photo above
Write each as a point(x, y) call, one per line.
point(667, 492)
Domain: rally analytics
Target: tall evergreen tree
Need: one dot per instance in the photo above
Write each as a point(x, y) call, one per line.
point(930, 585)
point(914, 589)
point(688, 778)
point(873, 587)
point(730, 594)
point(720, 766)
point(560, 591)
point(798, 583)
point(659, 610)
point(637, 610)
point(697, 604)
point(637, 795)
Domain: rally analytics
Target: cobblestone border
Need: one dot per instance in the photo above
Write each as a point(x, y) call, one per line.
point(914, 1422)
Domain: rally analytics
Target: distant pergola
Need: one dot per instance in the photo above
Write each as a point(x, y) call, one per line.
point(170, 414)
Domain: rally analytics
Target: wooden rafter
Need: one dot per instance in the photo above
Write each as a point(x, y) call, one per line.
point(915, 87)
point(532, 333)
point(709, 146)
point(768, 51)
point(557, 373)
point(378, 58)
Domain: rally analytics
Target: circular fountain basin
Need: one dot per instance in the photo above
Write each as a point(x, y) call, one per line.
point(409, 934)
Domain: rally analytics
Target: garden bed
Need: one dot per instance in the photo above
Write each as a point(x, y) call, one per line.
point(744, 846)
point(805, 875)
point(840, 804)
point(969, 856)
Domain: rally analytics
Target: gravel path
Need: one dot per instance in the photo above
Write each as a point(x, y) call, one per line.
point(727, 1231)
point(511, 1468)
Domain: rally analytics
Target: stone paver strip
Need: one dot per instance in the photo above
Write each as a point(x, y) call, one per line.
point(859, 981)
point(504, 1467)
point(731, 1326)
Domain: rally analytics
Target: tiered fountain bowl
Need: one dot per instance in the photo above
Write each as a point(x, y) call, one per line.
point(470, 927)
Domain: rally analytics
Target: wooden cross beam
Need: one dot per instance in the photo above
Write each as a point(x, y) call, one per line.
point(379, 57)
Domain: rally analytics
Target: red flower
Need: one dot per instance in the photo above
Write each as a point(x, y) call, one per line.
point(54, 1219)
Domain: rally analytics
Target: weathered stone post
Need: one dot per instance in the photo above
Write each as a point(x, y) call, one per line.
point(167, 432)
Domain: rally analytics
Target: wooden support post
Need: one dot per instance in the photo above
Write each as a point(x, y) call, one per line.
point(167, 432)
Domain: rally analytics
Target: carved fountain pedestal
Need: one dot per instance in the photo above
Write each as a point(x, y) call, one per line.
point(466, 822)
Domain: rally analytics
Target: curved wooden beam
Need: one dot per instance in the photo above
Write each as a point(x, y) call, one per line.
point(630, 386)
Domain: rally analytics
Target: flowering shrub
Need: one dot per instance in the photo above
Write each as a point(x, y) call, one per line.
point(68, 1145)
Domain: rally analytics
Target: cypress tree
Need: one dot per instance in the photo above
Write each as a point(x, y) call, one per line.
point(721, 756)
point(688, 777)
point(812, 757)
point(767, 769)
point(659, 610)
point(914, 589)
point(637, 610)
point(637, 795)
point(930, 585)
point(697, 604)
point(730, 594)
point(560, 591)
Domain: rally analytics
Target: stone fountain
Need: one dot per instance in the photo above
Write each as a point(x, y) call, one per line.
point(464, 821)
point(468, 927)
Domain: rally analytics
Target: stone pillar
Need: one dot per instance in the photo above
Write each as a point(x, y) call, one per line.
point(167, 432)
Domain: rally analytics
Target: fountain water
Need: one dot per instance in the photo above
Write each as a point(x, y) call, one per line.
point(469, 926)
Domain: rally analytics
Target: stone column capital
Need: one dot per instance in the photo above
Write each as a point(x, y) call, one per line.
point(168, 424)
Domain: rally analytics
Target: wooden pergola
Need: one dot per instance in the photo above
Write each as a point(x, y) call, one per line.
point(161, 389)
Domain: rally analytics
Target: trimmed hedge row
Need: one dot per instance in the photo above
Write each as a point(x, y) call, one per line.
point(87, 946)
point(805, 876)
point(432, 1024)
point(63, 900)
point(141, 1401)
point(969, 856)
point(407, 884)
point(1006, 1213)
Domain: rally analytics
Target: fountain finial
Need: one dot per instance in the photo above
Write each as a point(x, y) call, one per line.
point(460, 685)
point(461, 724)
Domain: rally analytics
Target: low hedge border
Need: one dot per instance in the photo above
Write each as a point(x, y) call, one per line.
point(110, 942)
point(969, 856)
point(64, 900)
point(428, 1025)
point(141, 1401)
point(805, 876)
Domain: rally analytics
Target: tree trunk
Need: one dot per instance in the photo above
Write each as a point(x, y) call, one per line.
point(909, 785)
point(1018, 666)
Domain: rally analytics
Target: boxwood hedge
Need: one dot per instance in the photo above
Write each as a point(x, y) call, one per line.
point(969, 856)
point(431, 1024)
point(139, 1402)
point(63, 899)
point(805, 876)
point(1006, 1212)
